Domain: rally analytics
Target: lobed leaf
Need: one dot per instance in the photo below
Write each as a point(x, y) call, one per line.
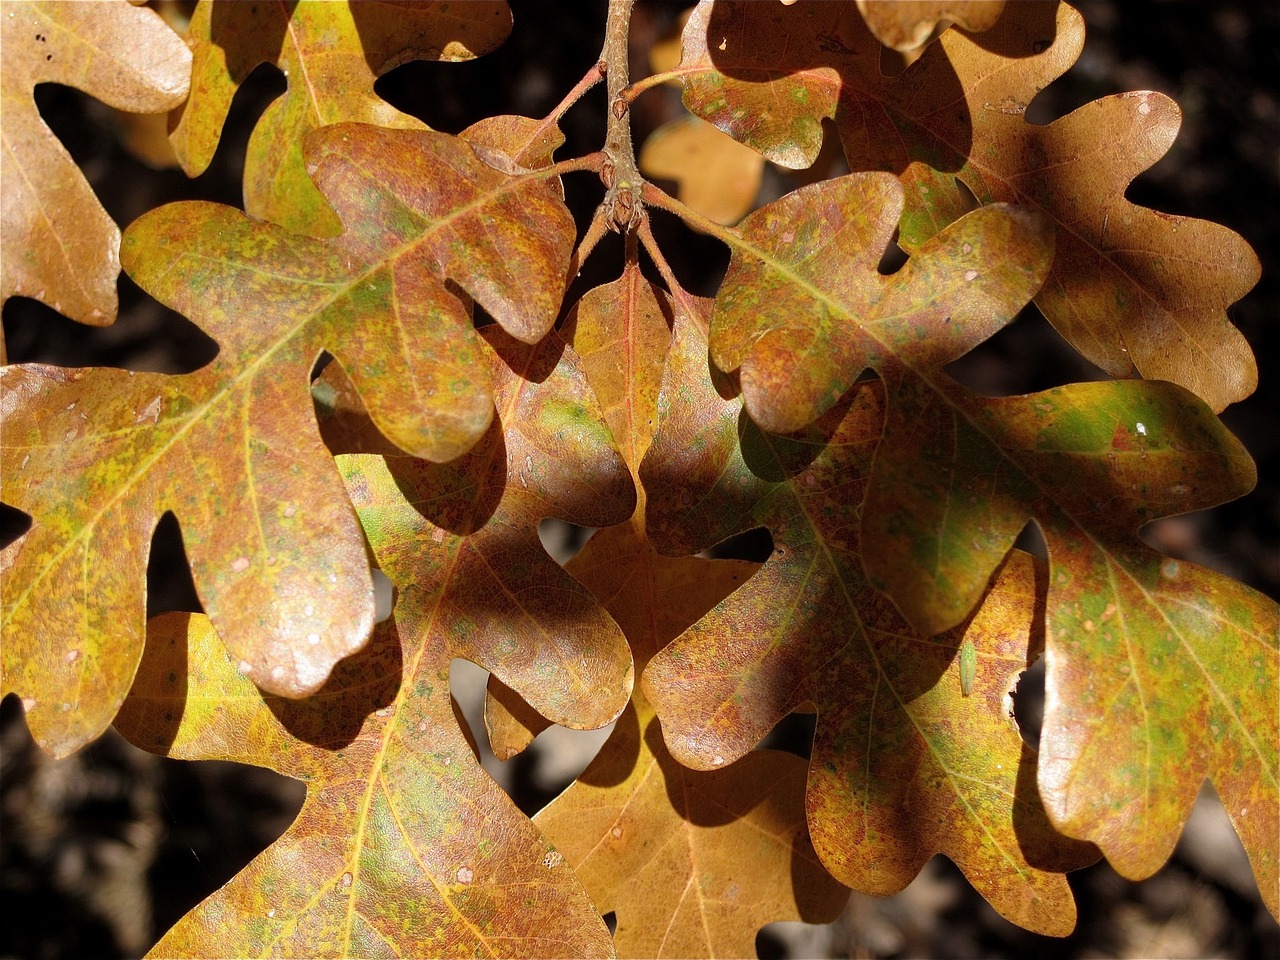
point(60, 246)
point(403, 846)
point(903, 765)
point(330, 53)
point(97, 456)
point(1135, 290)
point(684, 895)
point(957, 476)
point(908, 26)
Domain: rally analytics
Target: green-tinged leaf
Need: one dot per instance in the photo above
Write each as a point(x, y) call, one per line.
point(957, 476)
point(97, 456)
point(1131, 288)
point(667, 849)
point(802, 310)
point(904, 766)
point(60, 247)
point(460, 540)
point(331, 53)
point(403, 847)
point(1145, 653)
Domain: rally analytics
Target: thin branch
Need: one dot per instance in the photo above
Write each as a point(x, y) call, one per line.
point(622, 180)
point(664, 201)
point(631, 92)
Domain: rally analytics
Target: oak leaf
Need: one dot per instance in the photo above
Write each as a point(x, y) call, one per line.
point(685, 895)
point(1133, 289)
point(403, 846)
point(331, 53)
point(97, 456)
point(60, 246)
point(714, 174)
point(907, 24)
point(957, 476)
point(903, 765)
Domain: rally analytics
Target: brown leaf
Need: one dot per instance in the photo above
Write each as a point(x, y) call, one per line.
point(97, 456)
point(331, 53)
point(715, 175)
point(1131, 288)
point(957, 476)
point(908, 24)
point(403, 847)
point(60, 247)
point(734, 853)
point(903, 765)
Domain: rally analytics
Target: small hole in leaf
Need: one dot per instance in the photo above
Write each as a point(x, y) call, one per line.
point(754, 545)
point(169, 582)
point(13, 524)
point(893, 259)
point(611, 921)
point(563, 540)
point(384, 596)
point(1031, 541)
point(793, 734)
point(1028, 703)
point(1026, 356)
point(968, 199)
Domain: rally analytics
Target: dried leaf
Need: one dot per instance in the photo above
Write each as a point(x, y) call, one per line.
point(460, 540)
point(60, 247)
point(97, 456)
point(742, 73)
point(331, 53)
point(957, 476)
point(403, 847)
point(908, 24)
point(802, 310)
point(715, 175)
point(1131, 288)
point(903, 765)
point(686, 895)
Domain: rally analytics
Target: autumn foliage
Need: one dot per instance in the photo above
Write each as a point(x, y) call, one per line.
point(466, 402)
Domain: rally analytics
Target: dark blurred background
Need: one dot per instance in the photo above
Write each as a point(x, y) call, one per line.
point(102, 852)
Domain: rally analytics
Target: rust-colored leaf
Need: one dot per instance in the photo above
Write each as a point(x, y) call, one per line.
point(733, 853)
point(907, 24)
point(747, 71)
point(331, 53)
point(97, 456)
point(802, 310)
point(904, 766)
point(957, 476)
point(1133, 289)
point(403, 847)
point(715, 175)
point(60, 247)
point(460, 540)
